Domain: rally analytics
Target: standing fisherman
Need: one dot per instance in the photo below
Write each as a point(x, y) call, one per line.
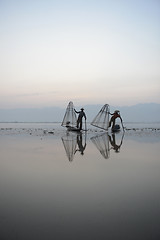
point(112, 121)
point(80, 116)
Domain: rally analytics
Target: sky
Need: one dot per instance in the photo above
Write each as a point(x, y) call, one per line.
point(88, 52)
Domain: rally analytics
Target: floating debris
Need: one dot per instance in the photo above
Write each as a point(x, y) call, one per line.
point(51, 132)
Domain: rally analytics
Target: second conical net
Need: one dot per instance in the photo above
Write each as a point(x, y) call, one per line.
point(101, 120)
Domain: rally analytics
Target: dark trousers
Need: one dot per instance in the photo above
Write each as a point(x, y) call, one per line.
point(79, 124)
point(112, 121)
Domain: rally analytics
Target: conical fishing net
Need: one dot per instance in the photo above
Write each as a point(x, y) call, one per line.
point(102, 118)
point(70, 118)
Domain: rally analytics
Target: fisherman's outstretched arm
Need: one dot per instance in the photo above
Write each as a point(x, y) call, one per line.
point(76, 111)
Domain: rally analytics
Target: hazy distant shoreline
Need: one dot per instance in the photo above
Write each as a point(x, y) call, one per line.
point(147, 112)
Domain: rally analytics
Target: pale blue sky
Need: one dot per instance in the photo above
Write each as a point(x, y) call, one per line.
point(89, 52)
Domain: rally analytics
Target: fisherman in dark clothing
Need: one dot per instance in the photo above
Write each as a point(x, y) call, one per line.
point(80, 116)
point(112, 121)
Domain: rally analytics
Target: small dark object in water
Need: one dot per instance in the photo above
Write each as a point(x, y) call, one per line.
point(51, 132)
point(116, 128)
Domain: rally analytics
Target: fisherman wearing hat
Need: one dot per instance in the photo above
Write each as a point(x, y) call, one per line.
point(80, 116)
point(115, 115)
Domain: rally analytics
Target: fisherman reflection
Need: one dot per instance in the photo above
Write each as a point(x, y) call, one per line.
point(81, 146)
point(113, 143)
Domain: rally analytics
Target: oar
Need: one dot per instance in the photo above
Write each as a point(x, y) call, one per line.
point(85, 125)
point(123, 126)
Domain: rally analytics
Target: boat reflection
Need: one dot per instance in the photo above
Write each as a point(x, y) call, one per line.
point(106, 142)
point(74, 142)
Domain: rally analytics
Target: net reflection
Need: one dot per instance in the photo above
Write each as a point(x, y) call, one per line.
point(74, 142)
point(105, 142)
point(102, 144)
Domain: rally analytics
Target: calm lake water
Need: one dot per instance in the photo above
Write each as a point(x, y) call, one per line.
point(94, 185)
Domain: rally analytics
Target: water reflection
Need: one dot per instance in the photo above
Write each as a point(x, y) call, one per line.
point(102, 144)
point(115, 146)
point(105, 142)
point(42, 194)
point(74, 142)
point(80, 144)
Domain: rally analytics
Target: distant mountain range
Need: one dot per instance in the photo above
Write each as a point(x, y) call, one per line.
point(148, 112)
